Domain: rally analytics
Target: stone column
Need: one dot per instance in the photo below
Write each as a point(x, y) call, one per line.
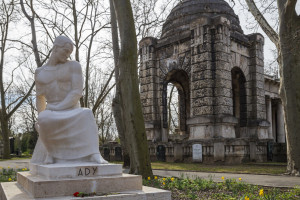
point(269, 116)
point(280, 123)
point(149, 88)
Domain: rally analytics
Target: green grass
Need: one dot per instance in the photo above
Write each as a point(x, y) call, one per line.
point(229, 189)
point(248, 168)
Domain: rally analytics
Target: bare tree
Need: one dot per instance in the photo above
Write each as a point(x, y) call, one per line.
point(288, 45)
point(116, 104)
point(134, 126)
point(82, 22)
point(149, 16)
point(7, 15)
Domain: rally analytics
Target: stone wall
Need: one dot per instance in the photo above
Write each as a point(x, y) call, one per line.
point(226, 151)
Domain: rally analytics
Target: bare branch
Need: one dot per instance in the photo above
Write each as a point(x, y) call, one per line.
point(266, 27)
point(102, 94)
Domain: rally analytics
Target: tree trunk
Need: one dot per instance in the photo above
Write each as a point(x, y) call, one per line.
point(116, 105)
point(132, 116)
point(290, 47)
point(5, 135)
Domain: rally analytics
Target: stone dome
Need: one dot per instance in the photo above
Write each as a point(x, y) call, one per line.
point(188, 10)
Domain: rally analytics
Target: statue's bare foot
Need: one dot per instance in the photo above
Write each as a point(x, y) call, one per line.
point(49, 160)
point(98, 159)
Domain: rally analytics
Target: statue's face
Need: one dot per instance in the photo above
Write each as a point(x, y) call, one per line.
point(62, 53)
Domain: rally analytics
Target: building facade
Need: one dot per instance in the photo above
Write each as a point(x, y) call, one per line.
point(226, 103)
point(229, 111)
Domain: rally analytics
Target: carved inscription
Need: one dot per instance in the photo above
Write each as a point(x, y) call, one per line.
point(87, 171)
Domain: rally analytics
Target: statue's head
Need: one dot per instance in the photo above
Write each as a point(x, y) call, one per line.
point(62, 49)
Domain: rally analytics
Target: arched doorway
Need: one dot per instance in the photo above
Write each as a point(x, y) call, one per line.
point(179, 79)
point(239, 97)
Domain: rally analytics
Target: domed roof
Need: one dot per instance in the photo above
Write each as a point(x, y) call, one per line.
point(188, 10)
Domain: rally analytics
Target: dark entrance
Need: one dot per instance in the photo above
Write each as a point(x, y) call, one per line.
point(12, 145)
point(161, 153)
point(180, 80)
point(239, 99)
point(118, 154)
point(106, 154)
point(270, 151)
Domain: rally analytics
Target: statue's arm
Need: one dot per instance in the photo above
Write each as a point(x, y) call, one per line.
point(74, 95)
point(40, 98)
point(40, 103)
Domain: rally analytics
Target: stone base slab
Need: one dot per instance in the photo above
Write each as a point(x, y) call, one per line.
point(41, 187)
point(14, 191)
point(75, 170)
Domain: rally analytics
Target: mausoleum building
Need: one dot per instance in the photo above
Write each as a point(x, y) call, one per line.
point(227, 106)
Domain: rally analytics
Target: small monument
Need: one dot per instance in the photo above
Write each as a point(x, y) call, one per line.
point(66, 158)
point(197, 152)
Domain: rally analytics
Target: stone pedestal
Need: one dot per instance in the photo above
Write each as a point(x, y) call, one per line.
point(61, 181)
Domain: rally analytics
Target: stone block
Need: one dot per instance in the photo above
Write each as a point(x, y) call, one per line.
point(200, 84)
point(262, 133)
point(200, 120)
point(202, 75)
point(225, 83)
point(205, 92)
point(223, 56)
point(224, 101)
point(205, 101)
point(223, 74)
point(78, 170)
point(201, 132)
point(147, 102)
point(184, 47)
point(225, 131)
point(41, 187)
point(148, 110)
point(219, 151)
point(201, 57)
point(204, 110)
point(220, 46)
point(202, 66)
point(225, 92)
point(223, 65)
point(178, 153)
point(13, 191)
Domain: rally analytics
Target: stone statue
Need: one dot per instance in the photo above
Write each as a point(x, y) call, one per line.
point(67, 133)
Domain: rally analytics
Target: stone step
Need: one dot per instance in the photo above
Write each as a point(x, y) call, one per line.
point(75, 170)
point(14, 191)
point(41, 187)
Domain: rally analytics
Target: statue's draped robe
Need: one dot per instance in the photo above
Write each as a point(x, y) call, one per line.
point(66, 134)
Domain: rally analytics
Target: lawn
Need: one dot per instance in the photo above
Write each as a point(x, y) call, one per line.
point(197, 189)
point(248, 168)
point(228, 189)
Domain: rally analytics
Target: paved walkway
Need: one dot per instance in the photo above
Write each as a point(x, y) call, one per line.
point(264, 180)
point(16, 164)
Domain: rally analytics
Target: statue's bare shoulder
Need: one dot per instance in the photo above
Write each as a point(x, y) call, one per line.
point(74, 67)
